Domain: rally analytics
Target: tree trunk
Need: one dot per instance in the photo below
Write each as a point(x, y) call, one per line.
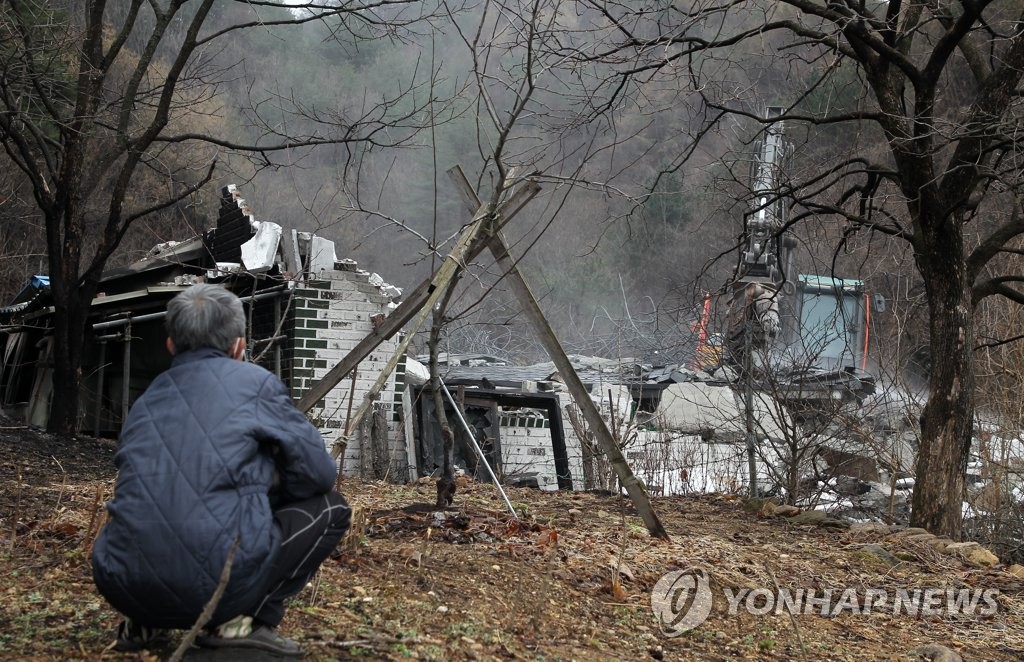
point(71, 308)
point(793, 472)
point(379, 444)
point(67, 375)
point(586, 438)
point(462, 439)
point(588, 464)
point(947, 421)
point(446, 483)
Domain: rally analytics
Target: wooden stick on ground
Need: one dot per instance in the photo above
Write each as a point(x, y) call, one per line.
point(211, 606)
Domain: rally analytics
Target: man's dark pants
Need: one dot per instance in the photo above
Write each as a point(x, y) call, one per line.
point(310, 529)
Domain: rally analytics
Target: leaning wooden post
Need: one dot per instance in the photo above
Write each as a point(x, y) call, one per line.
point(446, 273)
point(637, 494)
point(408, 308)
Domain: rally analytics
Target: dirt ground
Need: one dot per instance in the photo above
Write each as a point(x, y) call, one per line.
point(570, 580)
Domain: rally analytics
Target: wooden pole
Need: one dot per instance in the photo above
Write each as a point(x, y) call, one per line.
point(577, 390)
point(446, 273)
point(407, 309)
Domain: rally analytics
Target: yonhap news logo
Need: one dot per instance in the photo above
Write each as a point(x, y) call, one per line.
point(682, 600)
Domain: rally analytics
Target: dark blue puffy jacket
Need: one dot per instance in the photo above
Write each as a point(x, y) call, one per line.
point(196, 466)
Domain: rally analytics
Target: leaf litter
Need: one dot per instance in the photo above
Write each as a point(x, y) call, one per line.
point(570, 579)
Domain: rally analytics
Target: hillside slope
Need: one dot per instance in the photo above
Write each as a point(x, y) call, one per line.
point(572, 579)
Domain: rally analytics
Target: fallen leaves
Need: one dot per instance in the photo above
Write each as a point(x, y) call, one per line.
point(562, 583)
point(617, 591)
point(412, 557)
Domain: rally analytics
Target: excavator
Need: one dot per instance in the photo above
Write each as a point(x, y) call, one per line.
point(809, 334)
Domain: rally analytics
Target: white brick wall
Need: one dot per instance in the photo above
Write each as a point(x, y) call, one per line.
point(527, 450)
point(331, 316)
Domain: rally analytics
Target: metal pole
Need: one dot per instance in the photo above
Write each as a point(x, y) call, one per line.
point(748, 360)
point(479, 452)
point(110, 324)
point(277, 346)
point(101, 326)
point(99, 390)
point(126, 371)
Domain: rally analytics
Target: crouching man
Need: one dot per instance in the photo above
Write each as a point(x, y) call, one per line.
point(213, 457)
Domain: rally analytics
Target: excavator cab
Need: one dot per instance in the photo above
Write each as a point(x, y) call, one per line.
point(833, 316)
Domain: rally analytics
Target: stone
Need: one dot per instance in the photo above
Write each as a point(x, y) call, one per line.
point(1016, 570)
point(909, 531)
point(981, 557)
point(919, 537)
point(785, 510)
point(870, 528)
point(961, 546)
point(940, 544)
point(833, 523)
point(880, 552)
point(937, 653)
point(809, 517)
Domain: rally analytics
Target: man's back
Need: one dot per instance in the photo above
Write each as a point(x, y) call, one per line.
point(196, 465)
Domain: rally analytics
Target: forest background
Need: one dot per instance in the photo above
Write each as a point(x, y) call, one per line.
point(640, 234)
point(640, 120)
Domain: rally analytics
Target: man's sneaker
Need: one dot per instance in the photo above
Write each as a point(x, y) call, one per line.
point(134, 637)
point(240, 633)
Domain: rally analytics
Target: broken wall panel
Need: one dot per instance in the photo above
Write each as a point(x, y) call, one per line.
point(259, 254)
point(526, 450)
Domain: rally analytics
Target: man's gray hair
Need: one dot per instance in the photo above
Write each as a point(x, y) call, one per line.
point(205, 316)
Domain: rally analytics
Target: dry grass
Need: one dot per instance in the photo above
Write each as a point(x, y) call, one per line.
point(571, 580)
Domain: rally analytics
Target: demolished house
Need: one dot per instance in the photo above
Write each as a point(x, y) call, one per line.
point(306, 309)
point(681, 430)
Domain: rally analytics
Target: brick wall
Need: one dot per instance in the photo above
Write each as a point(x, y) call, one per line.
point(526, 448)
point(330, 317)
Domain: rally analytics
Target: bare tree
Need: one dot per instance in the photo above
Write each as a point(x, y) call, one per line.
point(923, 100)
point(93, 96)
point(996, 512)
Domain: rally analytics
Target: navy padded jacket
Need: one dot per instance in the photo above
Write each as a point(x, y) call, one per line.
point(195, 468)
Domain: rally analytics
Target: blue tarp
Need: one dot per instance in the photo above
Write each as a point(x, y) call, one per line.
point(28, 296)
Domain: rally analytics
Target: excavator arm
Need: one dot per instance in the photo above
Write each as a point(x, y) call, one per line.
point(762, 275)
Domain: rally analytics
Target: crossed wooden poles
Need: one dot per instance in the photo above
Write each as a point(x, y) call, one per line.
point(484, 231)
